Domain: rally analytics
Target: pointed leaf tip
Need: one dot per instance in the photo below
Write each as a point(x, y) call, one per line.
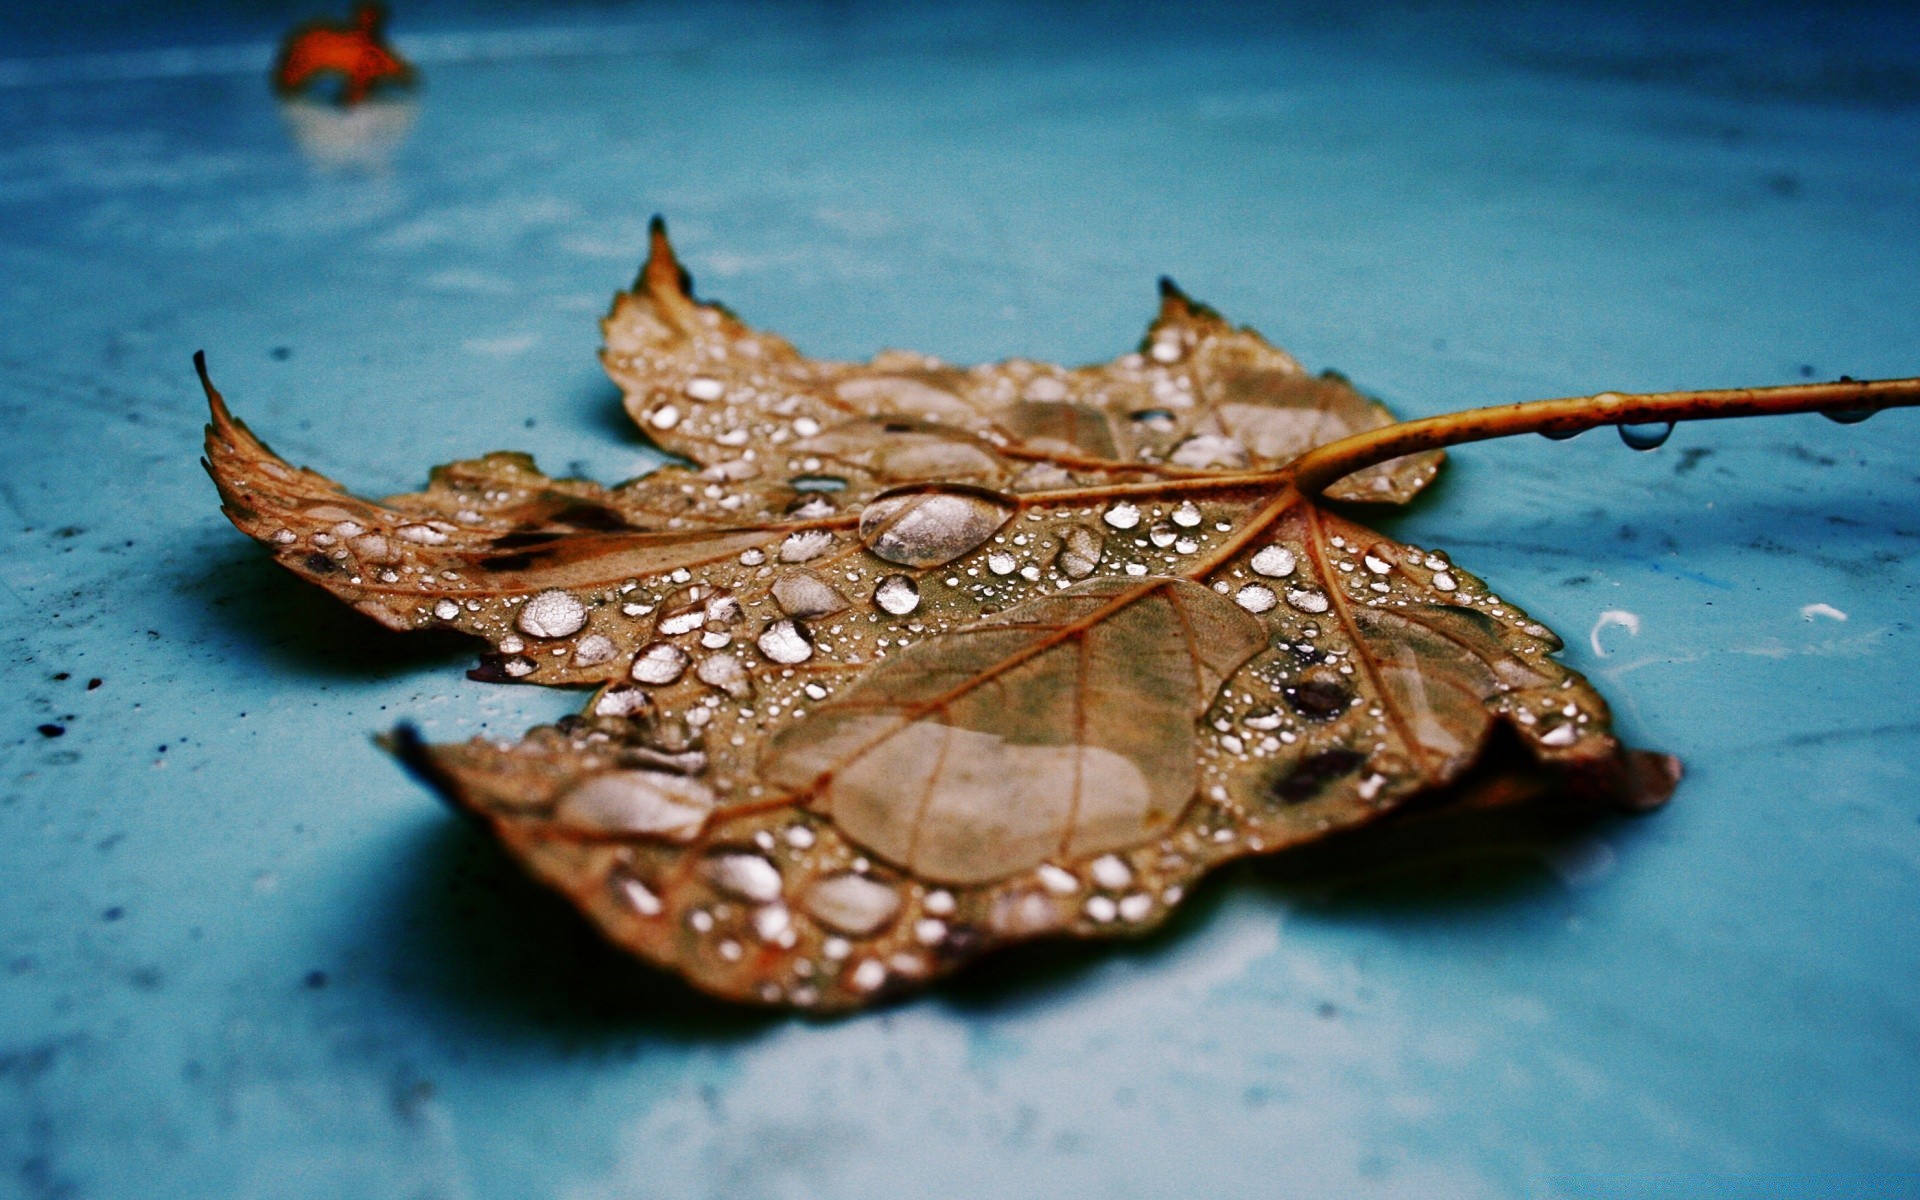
point(663, 274)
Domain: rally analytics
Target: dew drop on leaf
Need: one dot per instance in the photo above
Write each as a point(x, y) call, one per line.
point(1123, 516)
point(1080, 550)
point(659, 663)
point(852, 904)
point(1650, 436)
point(786, 642)
point(897, 594)
point(801, 593)
point(1307, 601)
point(1275, 562)
point(929, 529)
point(552, 614)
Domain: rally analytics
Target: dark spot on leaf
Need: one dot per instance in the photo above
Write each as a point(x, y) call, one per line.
point(522, 541)
point(1313, 774)
point(319, 564)
point(1319, 699)
point(507, 562)
point(597, 517)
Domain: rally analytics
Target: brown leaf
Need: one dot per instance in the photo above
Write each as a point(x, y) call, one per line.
point(925, 660)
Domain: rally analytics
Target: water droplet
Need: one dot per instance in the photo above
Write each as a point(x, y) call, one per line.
point(785, 641)
point(1263, 719)
point(1650, 436)
point(1187, 515)
point(801, 593)
point(446, 610)
point(1319, 699)
point(805, 545)
point(664, 417)
point(1101, 909)
point(725, 672)
point(939, 903)
point(594, 649)
point(1445, 582)
point(1209, 450)
point(704, 389)
point(1057, 880)
point(1560, 735)
point(1848, 416)
point(1000, 563)
point(1123, 516)
point(552, 614)
point(1255, 598)
point(1162, 534)
point(1275, 562)
point(898, 594)
point(747, 876)
point(659, 663)
point(1560, 435)
point(653, 803)
point(1379, 566)
point(1166, 350)
point(929, 931)
point(928, 529)
point(851, 904)
point(424, 535)
point(1110, 871)
point(1307, 601)
point(1136, 907)
point(1080, 549)
point(752, 558)
point(638, 896)
point(868, 976)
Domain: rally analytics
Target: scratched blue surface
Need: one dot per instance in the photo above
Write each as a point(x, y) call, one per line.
point(245, 957)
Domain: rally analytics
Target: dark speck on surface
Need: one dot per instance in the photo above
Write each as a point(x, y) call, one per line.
point(316, 980)
point(94, 683)
point(51, 730)
point(113, 914)
point(1690, 458)
point(61, 676)
point(282, 353)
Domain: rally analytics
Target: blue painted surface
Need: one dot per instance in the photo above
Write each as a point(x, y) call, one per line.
point(244, 956)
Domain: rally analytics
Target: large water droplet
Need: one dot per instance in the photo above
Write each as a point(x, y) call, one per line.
point(1162, 534)
point(1123, 515)
point(1848, 416)
point(927, 529)
point(1650, 436)
point(747, 876)
point(898, 594)
point(552, 614)
point(786, 642)
point(1080, 549)
point(1275, 562)
point(801, 593)
point(637, 802)
point(1560, 435)
point(660, 662)
point(852, 904)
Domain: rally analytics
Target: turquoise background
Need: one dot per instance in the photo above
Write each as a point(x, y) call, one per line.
point(245, 956)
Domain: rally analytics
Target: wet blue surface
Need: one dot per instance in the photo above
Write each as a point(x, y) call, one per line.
point(244, 956)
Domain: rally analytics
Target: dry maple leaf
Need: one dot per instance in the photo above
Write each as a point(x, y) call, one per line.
point(355, 51)
point(917, 661)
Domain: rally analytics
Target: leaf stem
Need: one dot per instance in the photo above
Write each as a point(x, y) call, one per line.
point(1319, 468)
